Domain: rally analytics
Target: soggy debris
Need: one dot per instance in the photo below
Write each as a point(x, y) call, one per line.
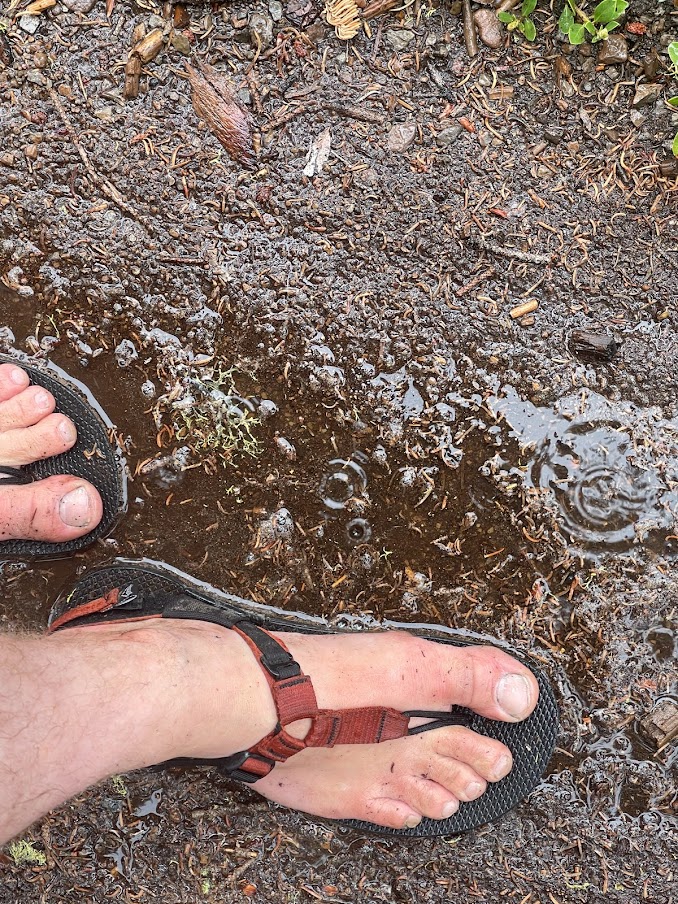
point(215, 102)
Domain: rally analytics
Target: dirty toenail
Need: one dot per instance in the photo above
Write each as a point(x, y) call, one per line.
point(42, 400)
point(75, 508)
point(513, 695)
point(502, 767)
point(67, 432)
point(17, 376)
point(412, 821)
point(474, 790)
point(450, 808)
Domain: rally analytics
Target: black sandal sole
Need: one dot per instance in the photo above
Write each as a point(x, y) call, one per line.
point(92, 458)
point(531, 742)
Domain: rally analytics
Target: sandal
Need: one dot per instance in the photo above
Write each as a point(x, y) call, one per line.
point(92, 458)
point(131, 591)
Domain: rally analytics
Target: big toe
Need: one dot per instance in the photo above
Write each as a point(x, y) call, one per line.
point(55, 510)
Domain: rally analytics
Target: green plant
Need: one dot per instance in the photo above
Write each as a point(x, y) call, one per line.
point(24, 854)
point(673, 101)
point(578, 25)
point(522, 21)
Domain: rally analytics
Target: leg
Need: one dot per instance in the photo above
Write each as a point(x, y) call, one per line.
point(89, 702)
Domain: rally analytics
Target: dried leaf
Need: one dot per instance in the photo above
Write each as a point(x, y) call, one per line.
point(345, 17)
point(318, 154)
point(37, 7)
point(214, 101)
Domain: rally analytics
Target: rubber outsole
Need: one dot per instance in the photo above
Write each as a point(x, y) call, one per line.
point(92, 458)
point(531, 742)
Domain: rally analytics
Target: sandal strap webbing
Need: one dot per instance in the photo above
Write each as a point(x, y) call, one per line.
point(294, 699)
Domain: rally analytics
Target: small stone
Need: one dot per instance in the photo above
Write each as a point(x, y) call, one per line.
point(489, 28)
point(614, 50)
point(399, 38)
point(180, 42)
point(7, 160)
point(285, 448)
point(79, 6)
point(35, 77)
point(276, 10)
point(401, 137)
point(31, 151)
point(29, 24)
point(637, 118)
point(125, 353)
point(554, 134)
point(261, 29)
point(446, 136)
point(646, 95)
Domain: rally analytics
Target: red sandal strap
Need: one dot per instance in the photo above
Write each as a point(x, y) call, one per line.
point(294, 699)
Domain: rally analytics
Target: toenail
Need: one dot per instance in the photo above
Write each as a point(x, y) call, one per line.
point(450, 808)
point(502, 767)
point(75, 508)
point(17, 376)
point(42, 400)
point(412, 821)
point(513, 695)
point(67, 431)
point(473, 790)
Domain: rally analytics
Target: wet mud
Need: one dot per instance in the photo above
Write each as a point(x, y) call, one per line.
point(326, 405)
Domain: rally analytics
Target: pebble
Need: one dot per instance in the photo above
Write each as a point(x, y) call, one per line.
point(490, 30)
point(399, 38)
point(446, 136)
point(79, 6)
point(285, 448)
point(646, 95)
point(276, 10)
point(261, 29)
point(554, 134)
point(180, 42)
point(637, 118)
point(266, 409)
point(29, 24)
point(614, 50)
point(125, 353)
point(401, 137)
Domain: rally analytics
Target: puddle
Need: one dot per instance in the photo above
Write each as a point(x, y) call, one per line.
point(611, 472)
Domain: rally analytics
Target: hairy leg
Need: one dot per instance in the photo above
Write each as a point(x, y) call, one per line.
point(90, 702)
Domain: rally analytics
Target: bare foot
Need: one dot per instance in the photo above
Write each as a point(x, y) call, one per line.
point(56, 509)
point(225, 706)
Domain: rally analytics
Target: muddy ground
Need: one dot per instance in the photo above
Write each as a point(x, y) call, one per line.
point(325, 403)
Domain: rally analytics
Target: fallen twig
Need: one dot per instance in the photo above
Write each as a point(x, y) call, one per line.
point(513, 253)
point(101, 181)
point(470, 37)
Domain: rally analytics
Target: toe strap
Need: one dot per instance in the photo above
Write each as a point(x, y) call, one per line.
point(295, 699)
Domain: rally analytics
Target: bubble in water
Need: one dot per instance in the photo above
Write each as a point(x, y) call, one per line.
point(358, 531)
point(345, 478)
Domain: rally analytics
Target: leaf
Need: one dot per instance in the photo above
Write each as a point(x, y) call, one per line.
point(505, 17)
point(673, 52)
point(528, 8)
point(566, 20)
point(672, 101)
point(590, 27)
point(576, 34)
point(605, 11)
point(215, 103)
point(674, 146)
point(529, 29)
point(611, 25)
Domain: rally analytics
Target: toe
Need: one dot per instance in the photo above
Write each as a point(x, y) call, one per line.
point(429, 798)
point(26, 408)
point(486, 680)
point(483, 758)
point(52, 435)
point(12, 381)
point(55, 510)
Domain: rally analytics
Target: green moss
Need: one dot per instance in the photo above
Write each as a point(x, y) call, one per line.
point(215, 420)
point(24, 854)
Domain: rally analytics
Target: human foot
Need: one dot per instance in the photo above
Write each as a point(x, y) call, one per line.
point(221, 703)
point(60, 507)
